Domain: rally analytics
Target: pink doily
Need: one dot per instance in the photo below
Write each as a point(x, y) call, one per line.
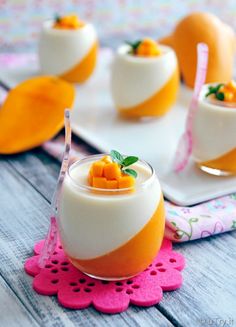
point(75, 290)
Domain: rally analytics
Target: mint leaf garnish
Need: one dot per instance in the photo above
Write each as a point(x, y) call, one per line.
point(220, 96)
point(130, 172)
point(116, 156)
point(134, 45)
point(124, 162)
point(129, 161)
point(57, 18)
point(215, 90)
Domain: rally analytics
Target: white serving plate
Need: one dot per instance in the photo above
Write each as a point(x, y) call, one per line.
point(95, 120)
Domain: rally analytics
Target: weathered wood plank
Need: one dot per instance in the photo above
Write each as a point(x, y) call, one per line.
point(38, 168)
point(12, 312)
point(209, 289)
point(23, 220)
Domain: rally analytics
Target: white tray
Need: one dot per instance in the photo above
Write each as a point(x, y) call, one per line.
point(95, 120)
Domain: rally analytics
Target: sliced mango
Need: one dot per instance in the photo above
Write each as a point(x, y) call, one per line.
point(33, 112)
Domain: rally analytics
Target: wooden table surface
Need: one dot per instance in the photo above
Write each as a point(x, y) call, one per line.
point(207, 297)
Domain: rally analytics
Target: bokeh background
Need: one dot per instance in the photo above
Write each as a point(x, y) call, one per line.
point(115, 20)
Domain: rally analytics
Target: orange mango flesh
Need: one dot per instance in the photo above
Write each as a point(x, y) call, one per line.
point(156, 105)
point(132, 257)
point(82, 71)
point(106, 174)
point(148, 48)
point(226, 163)
point(33, 112)
point(68, 22)
point(229, 91)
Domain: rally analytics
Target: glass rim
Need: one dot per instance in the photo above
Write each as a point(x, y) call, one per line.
point(83, 187)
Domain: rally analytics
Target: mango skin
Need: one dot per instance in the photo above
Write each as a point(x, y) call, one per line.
point(220, 38)
point(33, 113)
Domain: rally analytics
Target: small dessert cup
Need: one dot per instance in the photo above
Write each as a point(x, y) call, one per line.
point(144, 85)
point(214, 131)
point(68, 48)
point(111, 234)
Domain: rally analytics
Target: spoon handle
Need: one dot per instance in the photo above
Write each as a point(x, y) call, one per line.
point(185, 145)
point(52, 235)
point(202, 55)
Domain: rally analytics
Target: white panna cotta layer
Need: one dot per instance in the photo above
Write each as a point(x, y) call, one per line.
point(136, 79)
point(214, 129)
point(92, 225)
point(62, 49)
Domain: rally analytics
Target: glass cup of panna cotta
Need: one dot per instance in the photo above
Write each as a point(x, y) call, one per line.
point(214, 129)
point(144, 79)
point(111, 223)
point(68, 48)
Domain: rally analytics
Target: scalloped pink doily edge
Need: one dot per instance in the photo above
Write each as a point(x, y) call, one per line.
point(75, 290)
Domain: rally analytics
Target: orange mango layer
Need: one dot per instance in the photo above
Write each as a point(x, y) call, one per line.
point(107, 175)
point(226, 163)
point(82, 71)
point(132, 257)
point(158, 104)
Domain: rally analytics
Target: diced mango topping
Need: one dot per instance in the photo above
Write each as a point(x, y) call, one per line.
point(99, 182)
point(68, 22)
point(98, 168)
point(229, 91)
point(126, 181)
point(106, 159)
point(106, 174)
point(223, 92)
point(148, 48)
point(145, 48)
point(112, 171)
point(112, 184)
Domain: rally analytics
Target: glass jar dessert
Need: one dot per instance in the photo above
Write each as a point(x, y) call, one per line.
point(111, 218)
point(144, 79)
point(68, 48)
point(214, 129)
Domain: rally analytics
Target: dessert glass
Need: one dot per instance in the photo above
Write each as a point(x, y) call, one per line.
point(111, 234)
point(214, 135)
point(68, 53)
point(144, 86)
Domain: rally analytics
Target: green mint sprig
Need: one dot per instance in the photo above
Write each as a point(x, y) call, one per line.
point(57, 18)
point(134, 45)
point(215, 90)
point(124, 162)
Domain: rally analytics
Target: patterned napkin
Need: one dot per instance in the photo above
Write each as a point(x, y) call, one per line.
point(182, 223)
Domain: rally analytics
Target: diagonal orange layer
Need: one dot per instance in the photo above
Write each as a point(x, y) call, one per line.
point(82, 71)
point(158, 104)
point(134, 256)
point(227, 162)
